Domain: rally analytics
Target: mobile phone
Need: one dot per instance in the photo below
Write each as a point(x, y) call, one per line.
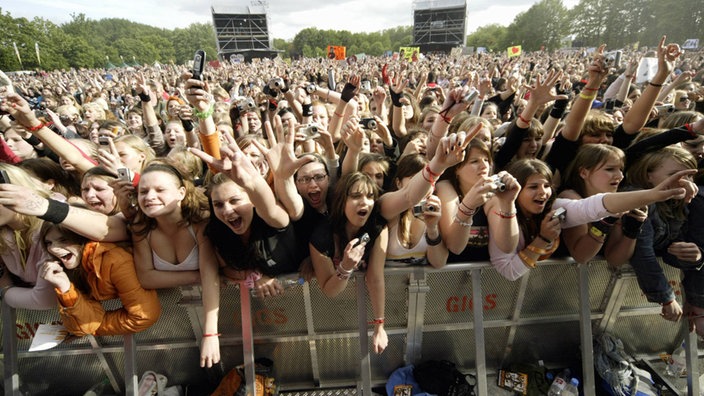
point(198, 64)
point(560, 213)
point(4, 177)
point(103, 140)
point(364, 238)
point(124, 174)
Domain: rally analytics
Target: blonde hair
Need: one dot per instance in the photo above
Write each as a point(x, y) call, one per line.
point(30, 224)
point(138, 144)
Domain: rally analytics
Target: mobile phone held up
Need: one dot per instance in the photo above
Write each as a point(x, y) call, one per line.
point(198, 64)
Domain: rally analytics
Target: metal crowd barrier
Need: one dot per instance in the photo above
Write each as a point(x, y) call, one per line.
point(465, 313)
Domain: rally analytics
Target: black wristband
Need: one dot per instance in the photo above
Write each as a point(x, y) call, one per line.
point(33, 140)
point(144, 97)
point(631, 227)
point(56, 213)
point(558, 108)
point(307, 109)
point(348, 92)
point(433, 242)
point(395, 98)
point(604, 225)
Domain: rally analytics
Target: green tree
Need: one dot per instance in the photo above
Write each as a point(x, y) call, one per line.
point(493, 37)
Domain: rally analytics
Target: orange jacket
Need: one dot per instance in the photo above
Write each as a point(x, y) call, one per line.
point(110, 273)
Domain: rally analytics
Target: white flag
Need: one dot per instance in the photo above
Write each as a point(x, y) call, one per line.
point(17, 52)
point(36, 49)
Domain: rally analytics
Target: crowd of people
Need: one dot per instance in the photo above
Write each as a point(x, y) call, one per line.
point(120, 182)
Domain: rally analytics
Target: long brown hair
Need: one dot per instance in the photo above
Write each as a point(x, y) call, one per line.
point(522, 170)
point(589, 157)
point(194, 207)
point(407, 167)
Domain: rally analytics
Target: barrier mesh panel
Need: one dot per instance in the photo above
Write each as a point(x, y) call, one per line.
point(635, 297)
point(552, 290)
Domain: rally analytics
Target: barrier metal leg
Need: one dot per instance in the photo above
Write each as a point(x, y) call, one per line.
point(9, 345)
point(478, 312)
point(247, 339)
point(131, 380)
point(585, 331)
point(417, 289)
point(365, 360)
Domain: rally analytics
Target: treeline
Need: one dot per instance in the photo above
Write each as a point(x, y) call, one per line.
point(549, 24)
point(87, 43)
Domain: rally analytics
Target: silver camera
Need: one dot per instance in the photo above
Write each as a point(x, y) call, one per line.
point(471, 95)
point(276, 84)
point(311, 88)
point(368, 123)
point(500, 185)
point(246, 104)
point(423, 207)
point(365, 86)
point(311, 131)
point(560, 213)
point(612, 59)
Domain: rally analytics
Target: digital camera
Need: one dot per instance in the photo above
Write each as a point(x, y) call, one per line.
point(422, 207)
point(311, 88)
point(560, 213)
point(500, 185)
point(276, 84)
point(368, 123)
point(613, 59)
point(311, 131)
point(246, 104)
point(471, 95)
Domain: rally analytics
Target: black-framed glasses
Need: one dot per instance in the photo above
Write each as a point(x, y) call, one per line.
point(307, 179)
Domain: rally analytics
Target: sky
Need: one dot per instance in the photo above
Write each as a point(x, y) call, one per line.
point(286, 17)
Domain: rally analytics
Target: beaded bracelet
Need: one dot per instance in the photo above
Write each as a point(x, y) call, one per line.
point(462, 223)
point(204, 114)
point(505, 215)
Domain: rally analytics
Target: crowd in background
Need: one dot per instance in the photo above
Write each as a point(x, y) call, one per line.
point(120, 182)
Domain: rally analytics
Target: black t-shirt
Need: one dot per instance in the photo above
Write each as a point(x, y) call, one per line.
point(323, 238)
point(477, 248)
point(269, 250)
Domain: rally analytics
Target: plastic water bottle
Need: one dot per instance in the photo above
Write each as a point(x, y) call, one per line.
point(677, 363)
point(559, 383)
point(286, 281)
point(572, 389)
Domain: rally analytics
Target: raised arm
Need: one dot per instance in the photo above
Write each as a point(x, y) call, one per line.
point(19, 109)
point(637, 116)
point(240, 169)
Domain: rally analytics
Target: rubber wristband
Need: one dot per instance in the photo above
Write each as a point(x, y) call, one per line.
point(520, 117)
point(433, 242)
point(212, 335)
point(667, 303)
point(377, 321)
point(144, 97)
point(655, 85)
point(56, 213)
